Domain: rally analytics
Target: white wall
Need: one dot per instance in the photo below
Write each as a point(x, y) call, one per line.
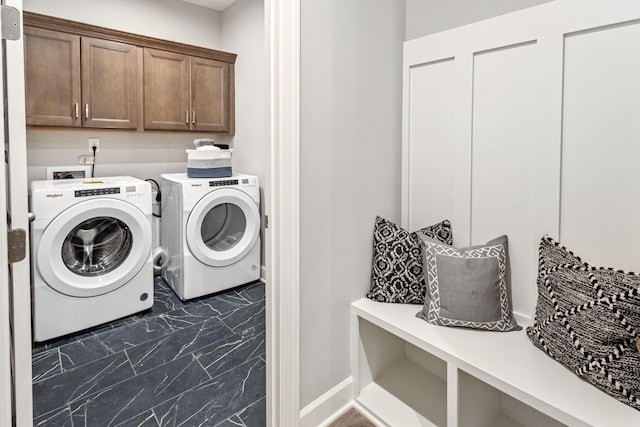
point(165, 19)
point(350, 168)
point(431, 16)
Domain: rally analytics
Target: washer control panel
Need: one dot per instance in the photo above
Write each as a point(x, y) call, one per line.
point(97, 192)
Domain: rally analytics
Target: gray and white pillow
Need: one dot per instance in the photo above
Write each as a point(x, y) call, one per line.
point(468, 287)
point(396, 271)
point(588, 319)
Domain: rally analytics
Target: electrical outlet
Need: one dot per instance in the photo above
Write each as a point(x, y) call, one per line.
point(94, 142)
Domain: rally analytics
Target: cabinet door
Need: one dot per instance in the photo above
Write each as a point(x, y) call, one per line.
point(110, 93)
point(166, 90)
point(52, 77)
point(212, 106)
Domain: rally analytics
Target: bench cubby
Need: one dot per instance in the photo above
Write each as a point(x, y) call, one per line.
point(408, 372)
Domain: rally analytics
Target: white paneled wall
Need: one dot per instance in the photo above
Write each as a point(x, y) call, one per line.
point(430, 161)
point(503, 169)
point(600, 209)
point(528, 125)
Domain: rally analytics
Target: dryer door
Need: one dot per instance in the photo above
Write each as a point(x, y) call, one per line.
point(94, 247)
point(223, 227)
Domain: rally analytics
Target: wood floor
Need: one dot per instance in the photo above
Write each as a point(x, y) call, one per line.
point(352, 418)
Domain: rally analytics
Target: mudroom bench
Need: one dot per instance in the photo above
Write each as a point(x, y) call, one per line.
point(408, 372)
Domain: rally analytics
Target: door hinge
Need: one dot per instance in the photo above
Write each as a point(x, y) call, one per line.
point(10, 17)
point(17, 243)
point(266, 222)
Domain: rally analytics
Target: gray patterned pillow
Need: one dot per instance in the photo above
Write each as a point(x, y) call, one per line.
point(468, 287)
point(396, 270)
point(588, 319)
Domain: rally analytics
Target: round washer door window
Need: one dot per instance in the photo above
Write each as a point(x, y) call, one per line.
point(223, 227)
point(94, 247)
point(97, 246)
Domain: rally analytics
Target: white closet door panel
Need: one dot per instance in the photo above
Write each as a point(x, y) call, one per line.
point(600, 207)
point(431, 109)
point(504, 148)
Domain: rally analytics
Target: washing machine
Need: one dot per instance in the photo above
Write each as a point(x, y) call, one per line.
point(91, 249)
point(209, 233)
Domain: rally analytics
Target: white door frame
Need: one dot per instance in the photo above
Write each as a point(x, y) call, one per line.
point(20, 272)
point(6, 386)
point(283, 286)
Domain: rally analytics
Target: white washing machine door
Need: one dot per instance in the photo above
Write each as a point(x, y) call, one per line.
point(94, 247)
point(223, 227)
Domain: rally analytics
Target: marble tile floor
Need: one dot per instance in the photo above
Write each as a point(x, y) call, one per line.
point(194, 363)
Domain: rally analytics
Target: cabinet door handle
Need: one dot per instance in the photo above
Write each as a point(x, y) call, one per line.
point(193, 117)
point(77, 110)
point(186, 117)
point(86, 111)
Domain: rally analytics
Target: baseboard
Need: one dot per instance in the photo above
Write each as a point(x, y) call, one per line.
point(328, 407)
point(368, 415)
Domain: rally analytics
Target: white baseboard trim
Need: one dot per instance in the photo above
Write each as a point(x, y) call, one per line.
point(368, 415)
point(329, 406)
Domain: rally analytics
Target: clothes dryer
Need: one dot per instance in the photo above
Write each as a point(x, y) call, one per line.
point(91, 247)
point(210, 233)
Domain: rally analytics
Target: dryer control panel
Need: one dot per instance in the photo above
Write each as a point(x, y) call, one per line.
point(223, 183)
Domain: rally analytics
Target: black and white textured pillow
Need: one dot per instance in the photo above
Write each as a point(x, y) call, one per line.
point(588, 319)
point(396, 271)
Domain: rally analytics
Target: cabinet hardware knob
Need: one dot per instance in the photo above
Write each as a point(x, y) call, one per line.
point(186, 117)
point(193, 117)
point(77, 110)
point(86, 111)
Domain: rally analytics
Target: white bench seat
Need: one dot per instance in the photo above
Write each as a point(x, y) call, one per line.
point(409, 372)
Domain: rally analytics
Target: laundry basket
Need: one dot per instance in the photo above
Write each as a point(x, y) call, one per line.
point(208, 161)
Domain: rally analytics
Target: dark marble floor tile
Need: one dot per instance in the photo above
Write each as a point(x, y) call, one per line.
point(136, 395)
point(254, 329)
point(76, 336)
point(61, 418)
point(226, 302)
point(83, 351)
point(59, 391)
point(188, 315)
point(254, 292)
point(46, 364)
point(130, 335)
point(253, 416)
point(146, 419)
point(245, 317)
point(164, 300)
point(215, 400)
point(224, 355)
point(159, 351)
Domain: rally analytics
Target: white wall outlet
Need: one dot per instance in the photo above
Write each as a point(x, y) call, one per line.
point(94, 142)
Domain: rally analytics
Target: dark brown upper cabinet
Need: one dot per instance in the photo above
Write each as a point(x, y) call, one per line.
point(79, 75)
point(184, 92)
point(110, 93)
point(80, 81)
point(52, 77)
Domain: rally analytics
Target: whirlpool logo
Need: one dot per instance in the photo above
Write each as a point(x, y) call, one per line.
point(54, 195)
